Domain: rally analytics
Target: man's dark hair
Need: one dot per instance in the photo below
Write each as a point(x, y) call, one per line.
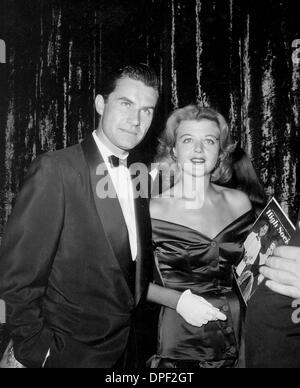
point(140, 72)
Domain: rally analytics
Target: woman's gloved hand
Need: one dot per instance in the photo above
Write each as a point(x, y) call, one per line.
point(197, 311)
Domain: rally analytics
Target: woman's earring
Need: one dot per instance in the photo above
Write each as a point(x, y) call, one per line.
point(214, 176)
point(218, 164)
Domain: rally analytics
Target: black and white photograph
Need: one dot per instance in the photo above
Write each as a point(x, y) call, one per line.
point(149, 186)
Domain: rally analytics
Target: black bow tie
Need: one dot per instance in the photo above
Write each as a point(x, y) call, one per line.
point(116, 162)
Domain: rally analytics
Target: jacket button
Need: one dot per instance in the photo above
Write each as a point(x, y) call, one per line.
point(225, 308)
point(214, 244)
point(229, 330)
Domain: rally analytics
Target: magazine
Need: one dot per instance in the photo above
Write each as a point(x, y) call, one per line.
point(272, 229)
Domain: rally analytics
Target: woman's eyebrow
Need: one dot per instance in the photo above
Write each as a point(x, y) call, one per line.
point(186, 134)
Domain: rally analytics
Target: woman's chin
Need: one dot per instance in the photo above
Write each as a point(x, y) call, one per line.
point(198, 172)
point(195, 175)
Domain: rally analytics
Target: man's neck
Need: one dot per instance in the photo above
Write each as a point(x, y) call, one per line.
point(113, 148)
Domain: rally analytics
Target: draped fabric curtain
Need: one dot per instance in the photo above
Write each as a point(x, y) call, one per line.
point(235, 55)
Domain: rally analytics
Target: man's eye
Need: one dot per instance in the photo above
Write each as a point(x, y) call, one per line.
point(126, 104)
point(148, 112)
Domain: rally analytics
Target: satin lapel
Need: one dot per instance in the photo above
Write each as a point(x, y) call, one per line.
point(109, 209)
point(144, 262)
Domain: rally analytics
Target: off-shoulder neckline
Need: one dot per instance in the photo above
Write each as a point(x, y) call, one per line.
point(201, 233)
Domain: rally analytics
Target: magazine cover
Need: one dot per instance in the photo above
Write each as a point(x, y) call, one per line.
point(272, 229)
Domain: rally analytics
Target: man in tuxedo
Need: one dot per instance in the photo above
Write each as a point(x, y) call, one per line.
point(273, 317)
point(75, 262)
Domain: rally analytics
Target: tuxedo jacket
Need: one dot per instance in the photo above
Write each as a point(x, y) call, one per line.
point(66, 272)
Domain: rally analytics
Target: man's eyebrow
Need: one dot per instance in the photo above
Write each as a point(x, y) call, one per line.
point(125, 99)
point(148, 107)
point(131, 102)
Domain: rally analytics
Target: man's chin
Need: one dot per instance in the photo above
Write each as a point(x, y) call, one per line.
point(128, 145)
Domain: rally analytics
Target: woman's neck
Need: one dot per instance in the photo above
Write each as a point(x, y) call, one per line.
point(193, 190)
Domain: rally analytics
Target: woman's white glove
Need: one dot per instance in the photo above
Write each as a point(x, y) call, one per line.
point(197, 311)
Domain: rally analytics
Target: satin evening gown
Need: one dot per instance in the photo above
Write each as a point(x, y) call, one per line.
point(187, 259)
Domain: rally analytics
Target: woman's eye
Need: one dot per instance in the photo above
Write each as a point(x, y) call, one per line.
point(187, 140)
point(209, 142)
point(126, 104)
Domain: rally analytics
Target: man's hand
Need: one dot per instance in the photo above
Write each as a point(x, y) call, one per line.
point(283, 271)
point(197, 311)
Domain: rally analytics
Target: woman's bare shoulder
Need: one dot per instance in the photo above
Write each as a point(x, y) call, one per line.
point(159, 206)
point(237, 200)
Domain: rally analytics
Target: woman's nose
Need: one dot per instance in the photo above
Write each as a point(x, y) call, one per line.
point(199, 146)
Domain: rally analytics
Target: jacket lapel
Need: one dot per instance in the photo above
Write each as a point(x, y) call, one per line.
point(144, 262)
point(109, 209)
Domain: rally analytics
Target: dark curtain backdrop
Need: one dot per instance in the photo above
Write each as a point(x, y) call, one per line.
point(235, 55)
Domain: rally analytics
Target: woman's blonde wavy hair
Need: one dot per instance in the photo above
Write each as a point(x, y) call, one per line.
point(165, 157)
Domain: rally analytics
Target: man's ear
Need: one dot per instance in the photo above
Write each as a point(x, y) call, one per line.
point(100, 104)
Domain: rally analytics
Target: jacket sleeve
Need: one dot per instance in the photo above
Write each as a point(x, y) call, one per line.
point(26, 256)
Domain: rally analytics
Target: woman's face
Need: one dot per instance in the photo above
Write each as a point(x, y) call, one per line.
point(263, 231)
point(197, 147)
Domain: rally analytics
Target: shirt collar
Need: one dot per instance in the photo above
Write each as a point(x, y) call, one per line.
point(104, 149)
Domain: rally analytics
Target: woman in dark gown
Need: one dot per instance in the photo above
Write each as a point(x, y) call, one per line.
point(198, 237)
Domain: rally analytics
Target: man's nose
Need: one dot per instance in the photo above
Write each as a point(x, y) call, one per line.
point(134, 117)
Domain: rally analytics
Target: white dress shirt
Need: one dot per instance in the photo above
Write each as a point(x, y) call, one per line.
point(121, 179)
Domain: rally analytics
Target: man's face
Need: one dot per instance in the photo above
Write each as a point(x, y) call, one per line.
point(272, 249)
point(127, 114)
